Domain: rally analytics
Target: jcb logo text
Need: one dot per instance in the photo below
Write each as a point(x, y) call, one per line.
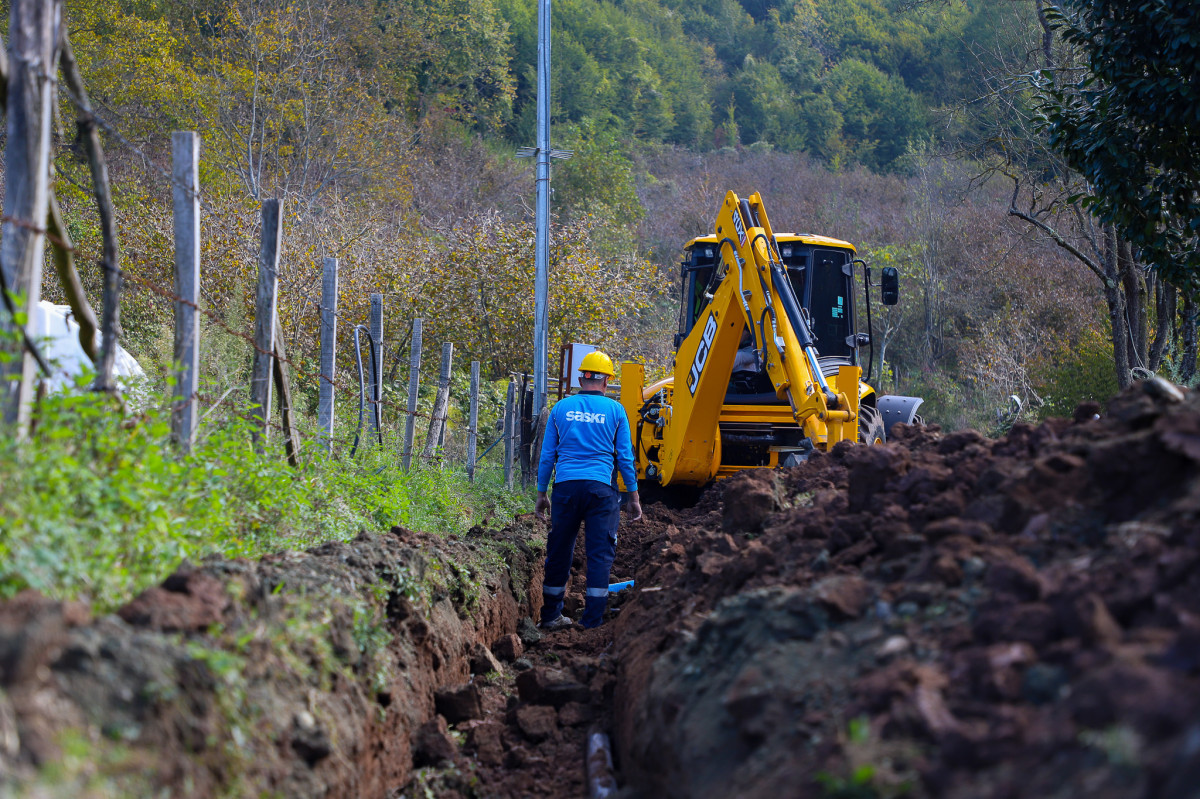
point(710, 331)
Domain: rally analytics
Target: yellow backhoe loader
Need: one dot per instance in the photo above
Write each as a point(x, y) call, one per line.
point(750, 387)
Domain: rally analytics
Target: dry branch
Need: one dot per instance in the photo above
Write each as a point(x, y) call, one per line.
point(110, 257)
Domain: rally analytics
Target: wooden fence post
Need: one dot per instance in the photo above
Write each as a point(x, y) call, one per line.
point(110, 256)
point(473, 422)
point(34, 28)
point(509, 402)
point(414, 384)
point(329, 301)
point(441, 405)
point(525, 430)
point(185, 179)
point(376, 388)
point(539, 435)
point(264, 318)
point(287, 415)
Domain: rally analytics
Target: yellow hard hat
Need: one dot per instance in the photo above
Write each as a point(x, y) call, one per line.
point(598, 363)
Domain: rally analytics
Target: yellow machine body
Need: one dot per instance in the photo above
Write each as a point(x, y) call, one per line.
point(685, 426)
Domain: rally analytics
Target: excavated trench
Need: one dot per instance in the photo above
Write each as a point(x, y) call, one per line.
point(946, 615)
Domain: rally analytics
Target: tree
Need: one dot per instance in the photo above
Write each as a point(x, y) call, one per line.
point(480, 281)
point(882, 118)
point(1049, 195)
point(598, 179)
point(1130, 122)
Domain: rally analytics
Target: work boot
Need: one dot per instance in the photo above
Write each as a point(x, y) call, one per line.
point(559, 622)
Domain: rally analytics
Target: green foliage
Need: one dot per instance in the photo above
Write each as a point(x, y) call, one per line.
point(100, 507)
point(1131, 123)
point(303, 92)
point(668, 71)
point(856, 786)
point(1078, 371)
point(598, 178)
point(875, 769)
point(881, 118)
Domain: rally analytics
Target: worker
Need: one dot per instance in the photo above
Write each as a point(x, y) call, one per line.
point(585, 435)
point(746, 359)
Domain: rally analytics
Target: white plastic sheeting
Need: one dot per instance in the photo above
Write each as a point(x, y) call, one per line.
point(57, 333)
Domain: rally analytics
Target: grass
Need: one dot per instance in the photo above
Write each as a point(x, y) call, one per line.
point(99, 507)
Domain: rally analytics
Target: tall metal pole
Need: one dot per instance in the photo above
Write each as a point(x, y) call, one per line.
point(541, 281)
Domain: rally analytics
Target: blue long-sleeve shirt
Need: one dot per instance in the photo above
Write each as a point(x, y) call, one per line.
point(584, 433)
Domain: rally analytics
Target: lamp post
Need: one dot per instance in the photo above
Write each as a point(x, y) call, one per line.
point(541, 259)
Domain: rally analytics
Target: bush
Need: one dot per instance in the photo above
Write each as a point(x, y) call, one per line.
point(1082, 370)
point(100, 507)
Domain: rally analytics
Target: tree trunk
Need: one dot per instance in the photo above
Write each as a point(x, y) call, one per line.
point(1135, 304)
point(110, 262)
point(34, 30)
point(1116, 308)
point(1164, 308)
point(1187, 372)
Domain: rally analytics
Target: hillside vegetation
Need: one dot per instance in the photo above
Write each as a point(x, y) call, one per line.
point(389, 128)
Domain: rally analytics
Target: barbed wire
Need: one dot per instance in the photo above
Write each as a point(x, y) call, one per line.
point(289, 283)
point(295, 284)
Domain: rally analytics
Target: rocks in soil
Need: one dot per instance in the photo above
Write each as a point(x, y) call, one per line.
point(844, 595)
point(509, 647)
point(969, 618)
point(33, 631)
point(186, 601)
point(537, 722)
point(752, 496)
point(255, 678)
point(545, 686)
point(309, 739)
point(574, 714)
point(460, 703)
point(483, 661)
point(528, 632)
point(485, 741)
point(432, 745)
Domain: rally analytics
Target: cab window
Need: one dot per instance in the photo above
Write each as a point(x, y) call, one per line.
point(829, 303)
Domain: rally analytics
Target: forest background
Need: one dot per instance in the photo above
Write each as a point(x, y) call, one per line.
point(389, 129)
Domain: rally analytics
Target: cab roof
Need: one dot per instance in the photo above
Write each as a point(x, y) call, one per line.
point(803, 238)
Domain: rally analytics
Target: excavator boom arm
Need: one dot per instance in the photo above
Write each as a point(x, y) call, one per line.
point(750, 288)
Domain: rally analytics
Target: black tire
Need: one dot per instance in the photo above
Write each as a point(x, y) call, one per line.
point(675, 497)
point(870, 426)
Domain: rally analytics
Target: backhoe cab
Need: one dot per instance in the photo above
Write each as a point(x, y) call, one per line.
point(767, 363)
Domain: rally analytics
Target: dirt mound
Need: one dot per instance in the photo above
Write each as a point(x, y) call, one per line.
point(303, 674)
point(945, 615)
point(528, 738)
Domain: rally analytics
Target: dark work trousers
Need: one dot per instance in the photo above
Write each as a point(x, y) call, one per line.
point(595, 505)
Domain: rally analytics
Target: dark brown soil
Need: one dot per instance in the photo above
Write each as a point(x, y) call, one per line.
point(942, 616)
point(304, 674)
point(529, 741)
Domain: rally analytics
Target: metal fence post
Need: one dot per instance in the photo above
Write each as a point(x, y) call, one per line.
point(264, 318)
point(185, 177)
point(329, 301)
point(473, 422)
point(414, 384)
